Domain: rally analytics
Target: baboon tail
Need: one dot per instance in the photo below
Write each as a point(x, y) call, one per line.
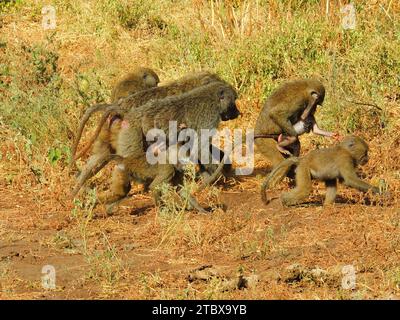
point(85, 118)
point(108, 108)
point(277, 175)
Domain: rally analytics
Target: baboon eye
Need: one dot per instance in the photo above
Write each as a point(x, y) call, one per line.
point(221, 94)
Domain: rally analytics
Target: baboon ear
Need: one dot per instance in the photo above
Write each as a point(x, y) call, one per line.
point(145, 75)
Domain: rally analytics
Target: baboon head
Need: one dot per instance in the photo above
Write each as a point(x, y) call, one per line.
point(227, 97)
point(210, 77)
point(150, 78)
point(317, 91)
point(357, 147)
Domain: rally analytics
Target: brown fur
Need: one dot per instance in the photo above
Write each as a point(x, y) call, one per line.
point(328, 165)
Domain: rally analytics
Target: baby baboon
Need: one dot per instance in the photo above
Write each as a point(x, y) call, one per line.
point(302, 126)
point(139, 79)
point(200, 108)
point(327, 165)
point(288, 104)
point(105, 142)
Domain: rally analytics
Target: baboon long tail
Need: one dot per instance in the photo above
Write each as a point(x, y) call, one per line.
point(108, 108)
point(211, 179)
point(277, 175)
point(100, 165)
point(85, 118)
point(208, 181)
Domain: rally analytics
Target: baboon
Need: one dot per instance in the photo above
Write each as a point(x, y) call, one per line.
point(288, 104)
point(201, 108)
point(106, 134)
point(302, 126)
point(139, 79)
point(328, 165)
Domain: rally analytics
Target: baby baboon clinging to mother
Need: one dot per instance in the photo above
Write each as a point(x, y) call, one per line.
point(328, 165)
point(201, 108)
point(293, 101)
point(302, 126)
point(105, 142)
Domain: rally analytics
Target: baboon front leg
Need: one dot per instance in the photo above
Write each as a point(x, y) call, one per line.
point(331, 188)
point(302, 189)
point(165, 173)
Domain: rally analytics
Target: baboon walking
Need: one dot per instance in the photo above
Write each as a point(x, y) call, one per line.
point(200, 108)
point(328, 165)
point(293, 101)
point(110, 125)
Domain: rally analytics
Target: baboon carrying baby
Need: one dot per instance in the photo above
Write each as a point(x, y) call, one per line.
point(292, 102)
point(201, 108)
point(328, 165)
point(110, 125)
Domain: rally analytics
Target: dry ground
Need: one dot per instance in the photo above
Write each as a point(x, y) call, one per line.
point(136, 253)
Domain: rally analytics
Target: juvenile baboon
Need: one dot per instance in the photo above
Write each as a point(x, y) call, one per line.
point(328, 165)
point(201, 108)
point(139, 79)
point(107, 133)
point(288, 104)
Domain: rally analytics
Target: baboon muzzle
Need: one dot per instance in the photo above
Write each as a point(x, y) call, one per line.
point(231, 113)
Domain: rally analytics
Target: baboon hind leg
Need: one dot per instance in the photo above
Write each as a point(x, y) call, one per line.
point(331, 187)
point(100, 157)
point(267, 147)
point(302, 189)
point(119, 187)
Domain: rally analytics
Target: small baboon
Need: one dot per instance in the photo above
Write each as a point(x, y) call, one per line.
point(201, 108)
point(328, 165)
point(302, 126)
point(293, 101)
point(139, 79)
point(106, 134)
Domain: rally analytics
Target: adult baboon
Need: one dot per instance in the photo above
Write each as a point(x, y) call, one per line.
point(328, 165)
point(106, 134)
point(200, 108)
point(293, 101)
point(139, 79)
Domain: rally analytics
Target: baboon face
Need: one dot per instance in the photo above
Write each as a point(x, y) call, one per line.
point(227, 98)
point(318, 91)
point(319, 97)
point(358, 149)
point(150, 78)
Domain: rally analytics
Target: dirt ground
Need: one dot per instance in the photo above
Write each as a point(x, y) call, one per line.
point(137, 253)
